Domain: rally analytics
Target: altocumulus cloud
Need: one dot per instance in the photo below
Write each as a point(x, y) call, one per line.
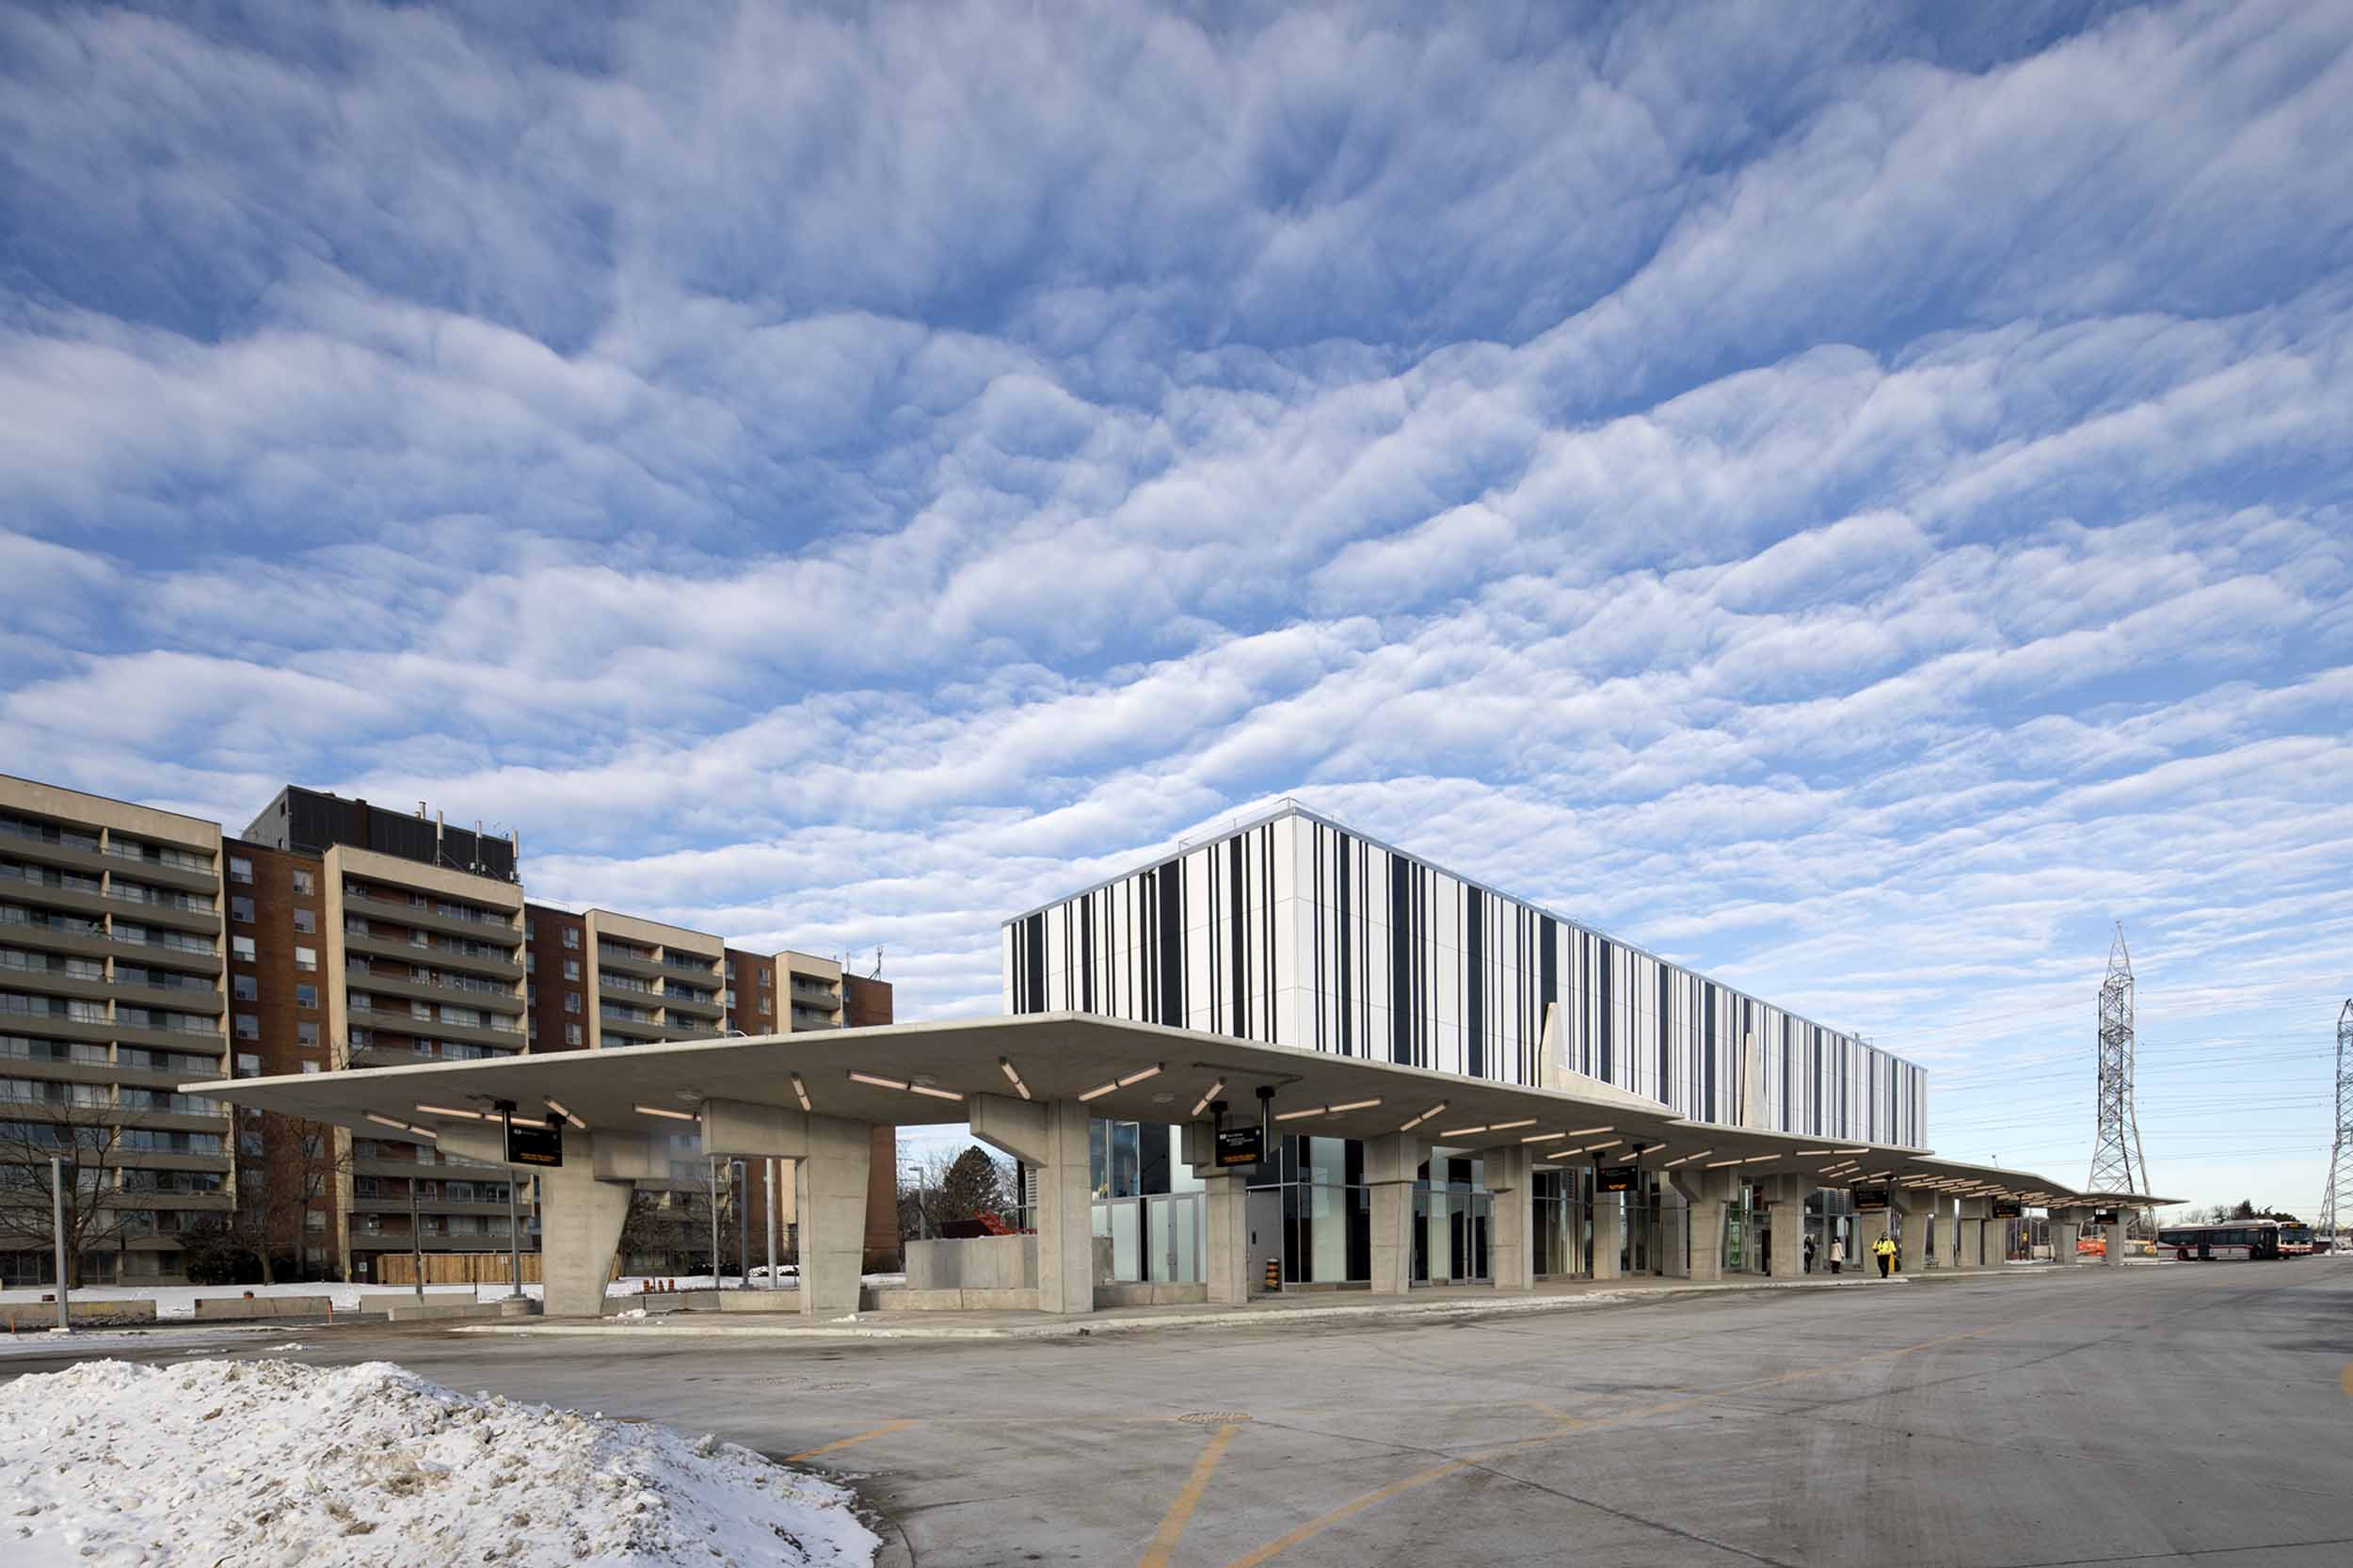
point(1854, 503)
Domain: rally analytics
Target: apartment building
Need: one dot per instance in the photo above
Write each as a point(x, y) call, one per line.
point(112, 994)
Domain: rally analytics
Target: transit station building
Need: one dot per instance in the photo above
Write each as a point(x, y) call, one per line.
point(1288, 1057)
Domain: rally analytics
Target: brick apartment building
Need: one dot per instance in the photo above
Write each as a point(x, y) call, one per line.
point(330, 935)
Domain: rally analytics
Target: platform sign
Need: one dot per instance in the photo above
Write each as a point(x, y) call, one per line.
point(1617, 1178)
point(2009, 1209)
point(1240, 1145)
point(1871, 1200)
point(530, 1144)
point(2105, 1217)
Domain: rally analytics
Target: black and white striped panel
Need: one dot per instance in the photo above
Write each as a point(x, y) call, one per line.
point(1298, 932)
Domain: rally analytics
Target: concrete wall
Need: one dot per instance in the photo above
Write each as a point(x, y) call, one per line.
point(979, 1263)
point(218, 1307)
point(25, 1316)
point(891, 1299)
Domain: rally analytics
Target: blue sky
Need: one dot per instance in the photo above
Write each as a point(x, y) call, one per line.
point(1857, 503)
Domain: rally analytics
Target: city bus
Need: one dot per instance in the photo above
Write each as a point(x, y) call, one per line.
point(2236, 1241)
point(2295, 1240)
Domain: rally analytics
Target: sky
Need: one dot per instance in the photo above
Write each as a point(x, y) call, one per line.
point(1854, 499)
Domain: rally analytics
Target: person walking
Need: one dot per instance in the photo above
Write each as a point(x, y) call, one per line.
point(1837, 1254)
point(1885, 1250)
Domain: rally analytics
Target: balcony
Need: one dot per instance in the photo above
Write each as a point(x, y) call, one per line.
point(156, 955)
point(155, 873)
point(64, 858)
point(400, 1023)
point(690, 1007)
point(496, 932)
point(72, 901)
point(180, 999)
point(620, 961)
point(403, 951)
point(818, 997)
point(634, 1029)
point(205, 923)
point(457, 996)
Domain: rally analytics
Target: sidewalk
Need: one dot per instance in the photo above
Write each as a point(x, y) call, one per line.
point(1322, 1307)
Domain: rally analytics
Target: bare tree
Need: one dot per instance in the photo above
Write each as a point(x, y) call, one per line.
point(89, 1140)
point(300, 1162)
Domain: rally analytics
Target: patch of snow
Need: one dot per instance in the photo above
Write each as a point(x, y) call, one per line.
point(276, 1464)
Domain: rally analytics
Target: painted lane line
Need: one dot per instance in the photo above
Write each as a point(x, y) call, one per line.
point(883, 1430)
point(1180, 1511)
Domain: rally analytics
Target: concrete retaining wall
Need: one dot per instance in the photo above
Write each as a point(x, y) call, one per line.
point(896, 1300)
point(1152, 1293)
point(430, 1310)
point(27, 1316)
point(217, 1307)
point(977, 1263)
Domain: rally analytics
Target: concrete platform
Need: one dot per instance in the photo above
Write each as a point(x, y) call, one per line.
point(1320, 1307)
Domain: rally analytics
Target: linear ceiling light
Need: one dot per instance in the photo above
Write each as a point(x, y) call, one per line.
point(1507, 1126)
point(1719, 1164)
point(1208, 1095)
point(1296, 1115)
point(1462, 1131)
point(1562, 1154)
point(658, 1110)
point(1758, 1158)
point(898, 1083)
point(1354, 1105)
point(1673, 1163)
point(1596, 1149)
point(1543, 1137)
point(1423, 1117)
point(386, 1121)
point(1589, 1131)
point(935, 1093)
point(1808, 1154)
point(576, 1122)
point(1012, 1078)
point(800, 1091)
point(451, 1110)
point(1865, 1149)
point(427, 1132)
point(1152, 1071)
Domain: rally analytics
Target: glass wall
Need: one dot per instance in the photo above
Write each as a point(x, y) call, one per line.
point(1327, 1210)
point(1147, 1204)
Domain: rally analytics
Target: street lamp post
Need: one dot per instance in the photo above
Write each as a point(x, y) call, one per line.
point(56, 1231)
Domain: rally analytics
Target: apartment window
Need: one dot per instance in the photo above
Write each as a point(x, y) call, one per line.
point(314, 1219)
point(571, 937)
point(241, 910)
point(531, 962)
point(763, 1004)
point(307, 1034)
point(309, 1066)
point(305, 958)
point(240, 869)
point(249, 1144)
point(730, 1002)
point(244, 987)
point(572, 968)
point(531, 1025)
point(571, 1035)
point(241, 949)
point(304, 885)
point(766, 979)
point(248, 1027)
point(248, 1065)
point(306, 920)
point(420, 1010)
point(307, 997)
point(571, 1002)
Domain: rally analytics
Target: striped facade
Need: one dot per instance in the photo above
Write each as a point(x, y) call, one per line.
point(1296, 932)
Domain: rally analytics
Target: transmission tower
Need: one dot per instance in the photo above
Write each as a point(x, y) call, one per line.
point(2116, 1165)
point(2336, 1204)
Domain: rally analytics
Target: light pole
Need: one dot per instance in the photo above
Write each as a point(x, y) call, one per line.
point(56, 1231)
point(715, 1222)
point(771, 1207)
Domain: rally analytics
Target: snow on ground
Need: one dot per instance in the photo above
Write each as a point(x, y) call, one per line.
point(275, 1465)
point(89, 1341)
point(179, 1301)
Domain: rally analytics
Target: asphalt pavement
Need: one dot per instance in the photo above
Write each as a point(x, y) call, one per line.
point(2176, 1415)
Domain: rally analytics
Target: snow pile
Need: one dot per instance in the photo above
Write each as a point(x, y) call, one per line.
point(273, 1465)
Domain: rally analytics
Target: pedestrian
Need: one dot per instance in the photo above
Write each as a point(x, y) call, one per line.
point(1885, 1250)
point(1809, 1255)
point(1837, 1254)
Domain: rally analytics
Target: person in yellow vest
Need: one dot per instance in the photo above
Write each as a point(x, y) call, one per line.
point(1885, 1250)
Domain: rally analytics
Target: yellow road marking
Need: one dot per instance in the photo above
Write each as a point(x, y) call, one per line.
point(883, 1430)
point(1180, 1511)
point(1543, 1409)
point(1316, 1526)
point(2344, 1380)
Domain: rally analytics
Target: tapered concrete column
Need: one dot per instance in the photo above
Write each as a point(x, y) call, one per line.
point(1704, 1195)
point(1974, 1224)
point(1391, 1165)
point(831, 1156)
point(579, 1231)
point(2067, 1228)
point(1784, 1215)
point(2116, 1249)
point(1609, 1234)
point(1226, 1256)
point(1511, 1247)
point(1051, 1138)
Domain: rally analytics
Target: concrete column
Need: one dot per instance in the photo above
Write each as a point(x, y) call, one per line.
point(1512, 1244)
point(580, 1230)
point(1704, 1193)
point(1226, 1241)
point(1051, 1138)
point(1785, 1217)
point(1608, 1233)
point(2117, 1250)
point(1390, 1167)
point(1972, 1223)
point(2067, 1228)
point(1898, 1223)
point(829, 1190)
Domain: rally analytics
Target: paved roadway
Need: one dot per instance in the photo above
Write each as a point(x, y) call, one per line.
point(2190, 1413)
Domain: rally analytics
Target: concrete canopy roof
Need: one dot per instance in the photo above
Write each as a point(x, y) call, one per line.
point(1166, 1072)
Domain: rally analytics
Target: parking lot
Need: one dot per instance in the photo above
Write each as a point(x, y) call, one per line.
point(2184, 1413)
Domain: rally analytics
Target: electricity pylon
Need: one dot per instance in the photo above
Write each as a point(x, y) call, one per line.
point(2336, 1203)
point(2117, 1165)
